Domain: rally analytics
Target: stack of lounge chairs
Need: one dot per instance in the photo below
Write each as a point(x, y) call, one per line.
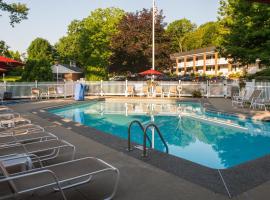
point(251, 98)
point(26, 150)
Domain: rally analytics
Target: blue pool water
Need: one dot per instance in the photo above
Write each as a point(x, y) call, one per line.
point(211, 139)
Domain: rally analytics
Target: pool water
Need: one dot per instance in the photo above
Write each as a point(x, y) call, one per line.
point(210, 139)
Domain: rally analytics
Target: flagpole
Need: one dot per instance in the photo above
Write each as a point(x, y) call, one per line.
point(153, 37)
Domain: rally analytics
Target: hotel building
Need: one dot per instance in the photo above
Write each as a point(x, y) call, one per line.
point(206, 61)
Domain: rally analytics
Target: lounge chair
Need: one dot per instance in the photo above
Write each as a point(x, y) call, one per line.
point(35, 93)
point(248, 99)
point(57, 177)
point(45, 150)
point(12, 119)
point(173, 92)
point(52, 92)
point(159, 91)
point(145, 91)
point(21, 129)
point(130, 90)
point(25, 138)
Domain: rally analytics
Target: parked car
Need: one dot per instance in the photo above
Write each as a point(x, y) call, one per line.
point(118, 78)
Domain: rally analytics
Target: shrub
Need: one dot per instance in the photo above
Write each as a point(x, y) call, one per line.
point(96, 73)
point(196, 94)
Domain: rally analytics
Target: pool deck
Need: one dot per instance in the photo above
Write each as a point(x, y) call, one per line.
point(139, 179)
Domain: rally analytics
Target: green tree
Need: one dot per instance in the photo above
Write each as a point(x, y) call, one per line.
point(132, 45)
point(204, 36)
point(41, 49)
point(39, 70)
point(178, 31)
point(17, 11)
point(245, 31)
point(88, 42)
point(4, 49)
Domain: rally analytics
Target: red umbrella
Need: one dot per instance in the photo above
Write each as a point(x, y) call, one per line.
point(9, 61)
point(150, 72)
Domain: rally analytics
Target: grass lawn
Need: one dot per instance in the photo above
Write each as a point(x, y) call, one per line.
point(12, 78)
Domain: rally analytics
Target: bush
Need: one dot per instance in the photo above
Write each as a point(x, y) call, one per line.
point(261, 76)
point(96, 73)
point(196, 94)
point(39, 70)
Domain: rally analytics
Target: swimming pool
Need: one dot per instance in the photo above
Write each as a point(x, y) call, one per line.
point(210, 139)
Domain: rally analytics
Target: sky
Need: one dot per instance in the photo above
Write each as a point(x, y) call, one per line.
point(49, 18)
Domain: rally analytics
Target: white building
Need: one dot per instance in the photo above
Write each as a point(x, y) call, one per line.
point(207, 61)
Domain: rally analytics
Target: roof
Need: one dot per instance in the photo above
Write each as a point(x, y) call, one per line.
point(193, 52)
point(66, 69)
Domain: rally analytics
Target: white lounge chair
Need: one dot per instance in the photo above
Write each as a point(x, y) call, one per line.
point(57, 177)
point(248, 99)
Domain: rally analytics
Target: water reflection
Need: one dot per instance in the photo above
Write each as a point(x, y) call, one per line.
point(211, 139)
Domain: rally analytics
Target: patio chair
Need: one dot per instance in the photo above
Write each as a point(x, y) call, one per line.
point(145, 91)
point(44, 150)
point(58, 177)
point(159, 91)
point(130, 90)
point(25, 138)
point(35, 93)
point(173, 92)
point(248, 99)
point(52, 92)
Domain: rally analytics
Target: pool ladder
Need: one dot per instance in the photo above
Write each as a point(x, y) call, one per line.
point(145, 136)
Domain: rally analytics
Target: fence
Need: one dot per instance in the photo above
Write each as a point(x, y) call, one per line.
point(119, 88)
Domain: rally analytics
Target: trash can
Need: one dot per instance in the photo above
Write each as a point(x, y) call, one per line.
point(79, 92)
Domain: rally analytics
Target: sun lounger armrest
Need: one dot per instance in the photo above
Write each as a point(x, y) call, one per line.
point(50, 173)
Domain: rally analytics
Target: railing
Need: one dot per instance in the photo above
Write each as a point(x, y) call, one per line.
point(120, 88)
point(145, 136)
point(160, 135)
point(129, 133)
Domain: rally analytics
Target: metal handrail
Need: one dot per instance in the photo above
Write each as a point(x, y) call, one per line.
point(160, 135)
point(129, 133)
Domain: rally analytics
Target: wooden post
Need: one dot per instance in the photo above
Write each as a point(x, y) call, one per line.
point(177, 66)
point(204, 63)
point(185, 65)
point(194, 64)
point(216, 63)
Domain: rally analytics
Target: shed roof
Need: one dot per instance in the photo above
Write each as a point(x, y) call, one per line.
point(66, 69)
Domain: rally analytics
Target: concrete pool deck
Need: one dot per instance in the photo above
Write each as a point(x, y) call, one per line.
point(139, 180)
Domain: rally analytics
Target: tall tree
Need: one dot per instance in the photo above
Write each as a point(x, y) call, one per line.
point(17, 11)
point(132, 45)
point(245, 31)
point(178, 31)
point(88, 42)
point(204, 36)
point(41, 49)
point(4, 49)
point(41, 56)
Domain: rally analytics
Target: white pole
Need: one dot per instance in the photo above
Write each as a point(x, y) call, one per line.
point(153, 39)
point(57, 73)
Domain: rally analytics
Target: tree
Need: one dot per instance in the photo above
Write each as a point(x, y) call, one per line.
point(4, 49)
point(132, 45)
point(88, 42)
point(245, 31)
point(17, 11)
point(41, 49)
point(178, 31)
point(204, 36)
point(39, 70)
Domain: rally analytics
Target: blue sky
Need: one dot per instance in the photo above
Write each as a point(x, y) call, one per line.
point(49, 18)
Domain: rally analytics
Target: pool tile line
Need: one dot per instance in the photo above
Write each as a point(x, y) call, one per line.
point(224, 183)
